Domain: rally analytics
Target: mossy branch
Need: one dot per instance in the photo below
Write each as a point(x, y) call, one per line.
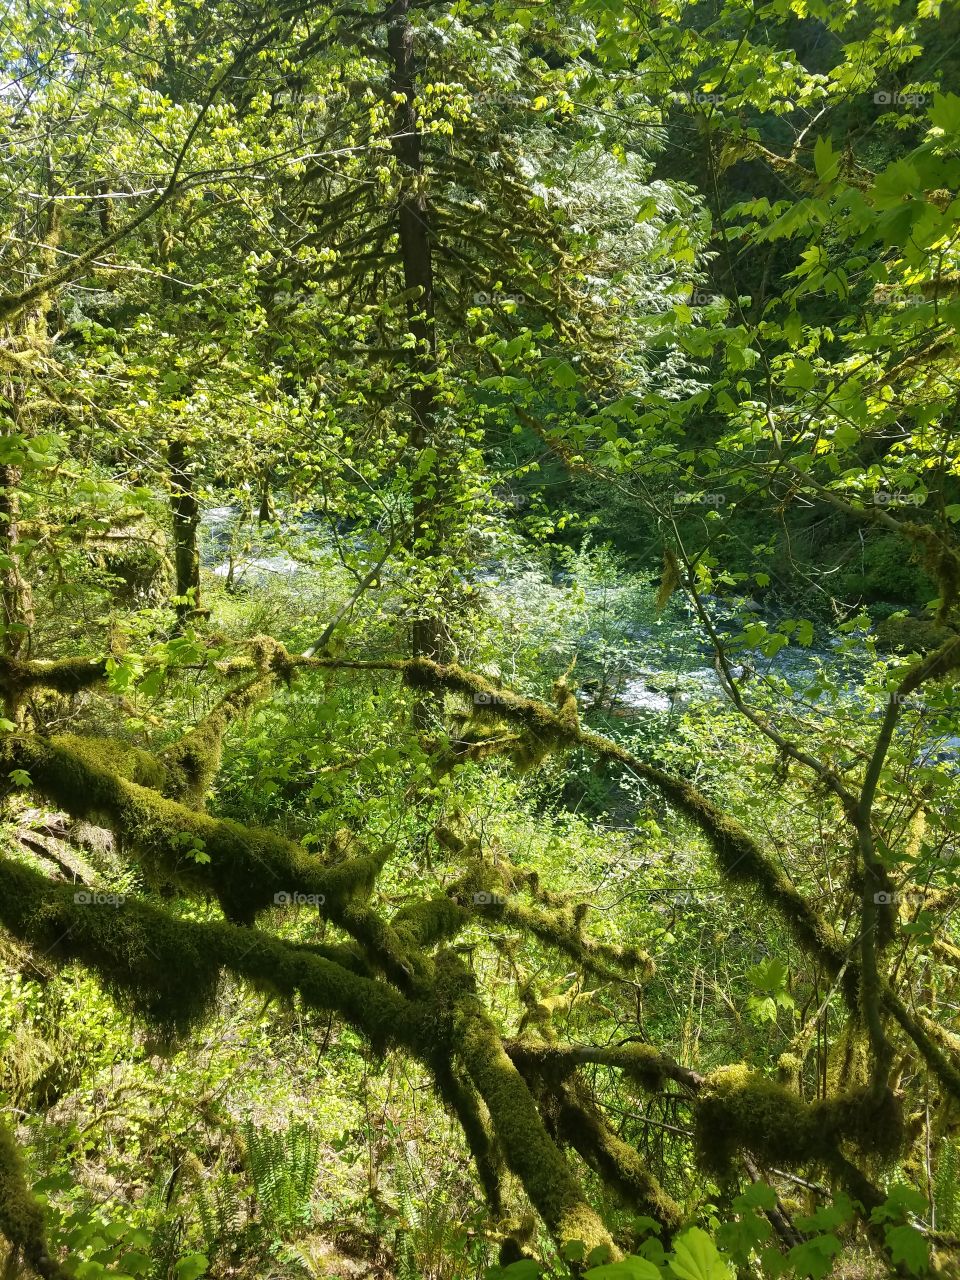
point(244, 867)
point(193, 762)
point(64, 675)
point(641, 1063)
point(738, 1110)
point(169, 968)
point(619, 1165)
point(528, 1149)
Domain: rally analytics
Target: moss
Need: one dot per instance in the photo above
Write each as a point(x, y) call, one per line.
point(617, 1163)
point(120, 758)
point(194, 761)
point(64, 675)
point(641, 1063)
point(463, 1100)
point(153, 963)
point(168, 968)
point(527, 1147)
point(914, 635)
point(21, 1215)
point(560, 929)
point(432, 921)
point(739, 1110)
point(544, 729)
point(245, 867)
point(270, 656)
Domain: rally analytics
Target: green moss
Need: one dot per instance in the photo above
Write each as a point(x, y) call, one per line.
point(739, 1110)
point(245, 867)
point(150, 961)
point(64, 675)
point(194, 761)
point(641, 1063)
point(168, 969)
point(617, 1163)
point(120, 758)
point(21, 1215)
point(432, 921)
point(527, 1147)
point(463, 1100)
point(914, 635)
point(560, 929)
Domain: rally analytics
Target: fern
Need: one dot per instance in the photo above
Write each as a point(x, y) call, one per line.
point(946, 1187)
point(404, 1250)
point(221, 1213)
point(283, 1167)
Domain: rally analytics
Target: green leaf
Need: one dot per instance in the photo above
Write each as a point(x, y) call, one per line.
point(815, 1257)
point(757, 1196)
point(642, 1226)
point(191, 1266)
point(909, 1246)
point(897, 180)
point(829, 1216)
point(696, 1257)
point(945, 112)
point(825, 160)
point(631, 1268)
point(525, 1269)
point(902, 1200)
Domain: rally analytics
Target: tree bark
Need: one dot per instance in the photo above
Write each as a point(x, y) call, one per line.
point(186, 522)
point(414, 229)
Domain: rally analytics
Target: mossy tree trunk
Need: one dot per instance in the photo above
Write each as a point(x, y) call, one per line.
point(185, 510)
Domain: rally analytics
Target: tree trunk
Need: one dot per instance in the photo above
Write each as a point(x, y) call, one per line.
point(413, 220)
point(15, 591)
point(186, 522)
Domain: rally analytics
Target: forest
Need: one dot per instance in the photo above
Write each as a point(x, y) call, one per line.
point(480, 639)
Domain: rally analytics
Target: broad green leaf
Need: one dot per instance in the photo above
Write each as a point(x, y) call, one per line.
point(696, 1257)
